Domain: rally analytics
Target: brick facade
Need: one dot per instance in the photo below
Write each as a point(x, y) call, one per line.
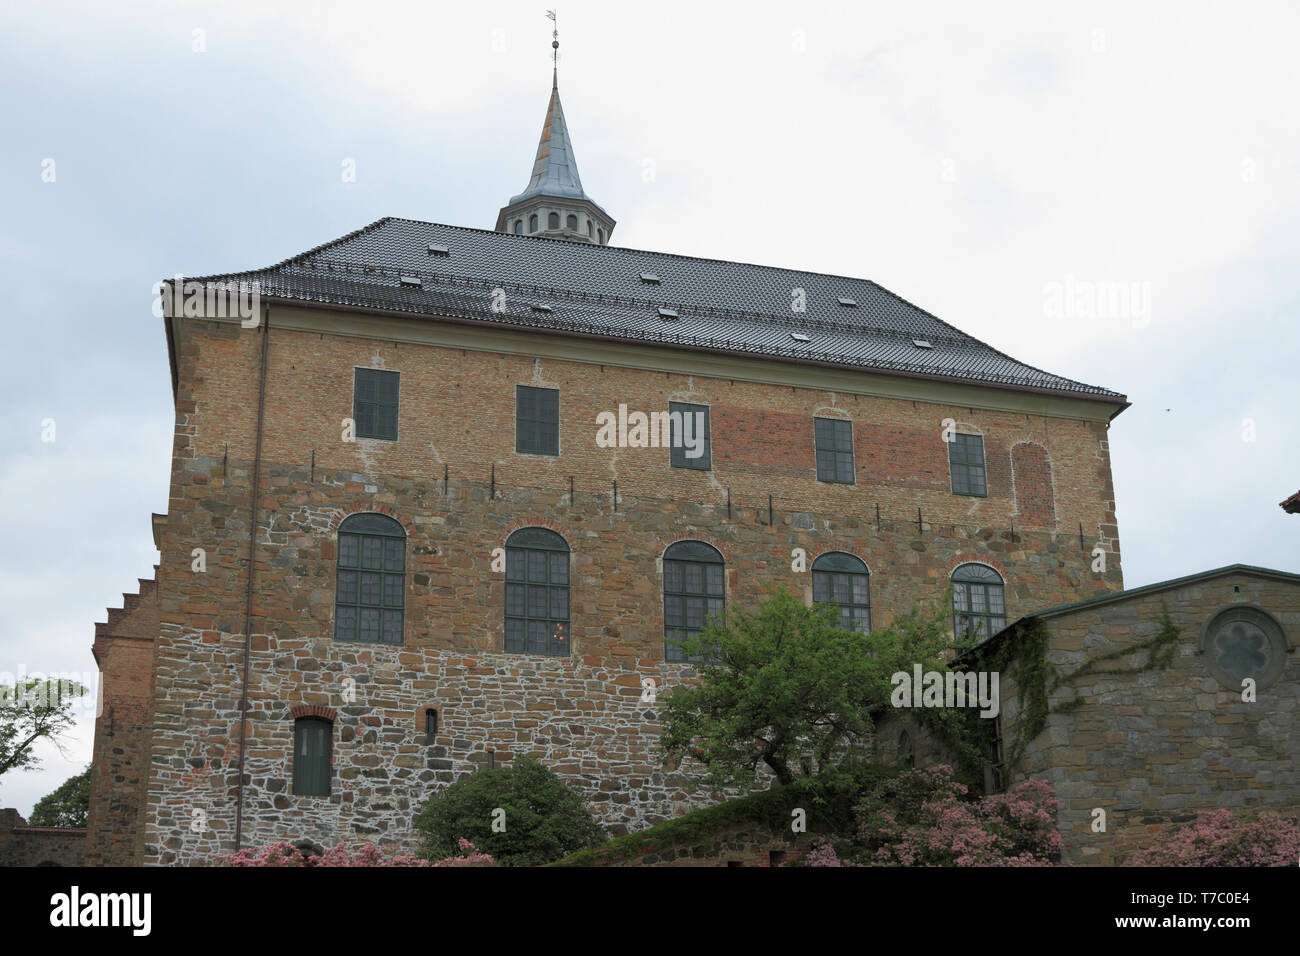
point(457, 487)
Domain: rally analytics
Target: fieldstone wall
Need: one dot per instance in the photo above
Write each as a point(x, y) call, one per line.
point(21, 845)
point(119, 771)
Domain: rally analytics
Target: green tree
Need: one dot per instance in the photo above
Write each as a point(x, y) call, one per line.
point(787, 683)
point(543, 819)
point(67, 806)
point(32, 710)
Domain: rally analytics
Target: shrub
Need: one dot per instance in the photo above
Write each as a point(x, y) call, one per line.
point(544, 819)
point(1216, 839)
point(924, 818)
point(287, 854)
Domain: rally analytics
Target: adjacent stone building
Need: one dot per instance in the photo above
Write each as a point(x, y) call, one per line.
point(399, 543)
point(1147, 720)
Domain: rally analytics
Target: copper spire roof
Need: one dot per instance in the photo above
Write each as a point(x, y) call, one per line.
point(555, 171)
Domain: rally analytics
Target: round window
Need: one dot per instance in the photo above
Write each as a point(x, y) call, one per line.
point(1243, 642)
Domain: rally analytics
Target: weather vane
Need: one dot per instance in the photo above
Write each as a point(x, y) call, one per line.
point(555, 39)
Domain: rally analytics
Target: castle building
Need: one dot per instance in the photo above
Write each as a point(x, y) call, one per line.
point(444, 496)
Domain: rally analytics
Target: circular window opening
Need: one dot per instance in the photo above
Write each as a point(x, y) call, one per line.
point(1243, 642)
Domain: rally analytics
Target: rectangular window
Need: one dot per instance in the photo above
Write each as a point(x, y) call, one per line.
point(966, 461)
point(694, 425)
point(833, 440)
point(312, 744)
point(374, 403)
point(431, 723)
point(537, 420)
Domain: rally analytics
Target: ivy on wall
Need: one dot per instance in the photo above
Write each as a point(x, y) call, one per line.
point(1022, 655)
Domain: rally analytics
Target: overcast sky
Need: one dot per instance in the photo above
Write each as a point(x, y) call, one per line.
point(996, 164)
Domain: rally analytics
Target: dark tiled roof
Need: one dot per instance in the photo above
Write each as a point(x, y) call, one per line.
point(1292, 505)
point(597, 290)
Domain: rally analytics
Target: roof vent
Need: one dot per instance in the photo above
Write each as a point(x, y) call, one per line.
point(848, 303)
point(649, 278)
point(540, 307)
point(667, 313)
point(437, 250)
point(800, 337)
point(411, 280)
point(922, 344)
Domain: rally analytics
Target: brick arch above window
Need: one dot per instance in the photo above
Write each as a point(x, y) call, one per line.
point(993, 563)
point(366, 507)
point(549, 524)
point(704, 539)
point(318, 711)
point(1031, 477)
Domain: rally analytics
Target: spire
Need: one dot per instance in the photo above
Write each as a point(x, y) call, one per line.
point(554, 193)
point(555, 170)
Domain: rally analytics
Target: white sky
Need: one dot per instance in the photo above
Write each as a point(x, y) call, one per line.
point(965, 157)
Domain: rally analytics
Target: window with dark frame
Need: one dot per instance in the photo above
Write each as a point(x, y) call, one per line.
point(313, 743)
point(430, 723)
point(537, 420)
point(537, 593)
point(370, 595)
point(978, 602)
point(677, 454)
point(833, 442)
point(374, 403)
point(693, 592)
point(966, 462)
point(843, 580)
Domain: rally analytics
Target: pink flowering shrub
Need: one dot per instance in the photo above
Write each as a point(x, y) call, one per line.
point(924, 818)
point(286, 854)
point(822, 854)
point(1216, 839)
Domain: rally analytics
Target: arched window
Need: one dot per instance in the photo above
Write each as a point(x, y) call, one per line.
point(519, 227)
point(532, 223)
point(572, 222)
point(553, 221)
point(843, 580)
point(313, 745)
point(589, 227)
point(693, 592)
point(600, 236)
point(978, 602)
point(371, 586)
point(537, 593)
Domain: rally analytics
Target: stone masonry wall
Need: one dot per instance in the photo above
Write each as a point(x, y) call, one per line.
point(119, 772)
point(582, 714)
point(1154, 748)
point(21, 845)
